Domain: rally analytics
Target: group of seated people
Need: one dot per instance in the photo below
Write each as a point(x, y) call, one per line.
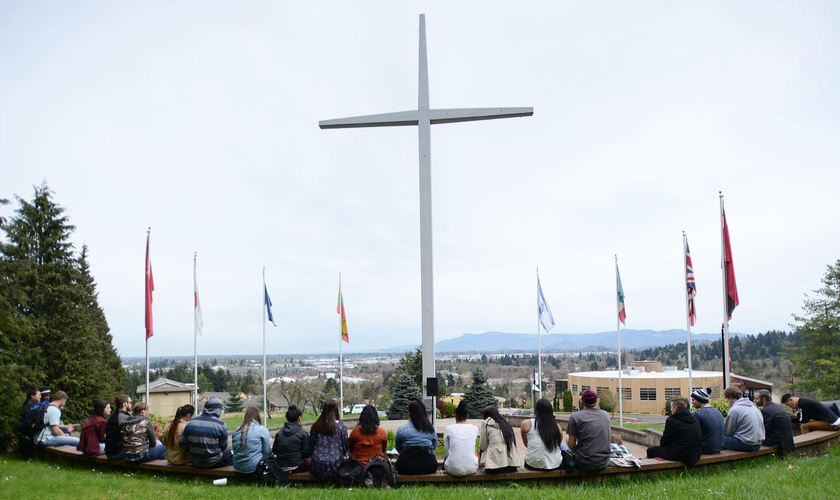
point(203, 441)
point(688, 435)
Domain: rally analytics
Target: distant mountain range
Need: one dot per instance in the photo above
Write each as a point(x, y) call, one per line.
point(527, 342)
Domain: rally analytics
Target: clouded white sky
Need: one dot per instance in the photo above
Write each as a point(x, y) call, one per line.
point(200, 119)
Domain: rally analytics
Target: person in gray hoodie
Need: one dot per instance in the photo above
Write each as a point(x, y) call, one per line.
point(743, 429)
point(291, 444)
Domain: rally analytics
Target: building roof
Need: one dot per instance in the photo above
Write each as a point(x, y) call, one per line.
point(673, 374)
point(165, 385)
point(677, 374)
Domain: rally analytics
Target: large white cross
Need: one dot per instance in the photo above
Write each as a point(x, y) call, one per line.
point(424, 118)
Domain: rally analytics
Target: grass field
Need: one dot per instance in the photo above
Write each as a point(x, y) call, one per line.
point(234, 420)
point(762, 478)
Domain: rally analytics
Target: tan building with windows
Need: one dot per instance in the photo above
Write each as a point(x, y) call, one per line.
point(647, 385)
point(166, 396)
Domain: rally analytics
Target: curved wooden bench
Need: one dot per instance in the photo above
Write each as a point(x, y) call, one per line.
point(810, 444)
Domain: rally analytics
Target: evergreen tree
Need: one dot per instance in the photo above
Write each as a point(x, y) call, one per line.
point(51, 290)
point(818, 359)
point(405, 391)
point(235, 402)
point(479, 395)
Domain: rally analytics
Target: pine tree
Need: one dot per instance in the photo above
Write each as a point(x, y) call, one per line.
point(405, 391)
point(479, 395)
point(67, 345)
point(818, 359)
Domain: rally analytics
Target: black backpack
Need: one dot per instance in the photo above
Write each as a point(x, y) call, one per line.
point(380, 473)
point(29, 427)
point(271, 474)
point(350, 473)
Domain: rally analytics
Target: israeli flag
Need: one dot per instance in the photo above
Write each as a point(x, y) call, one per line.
point(546, 318)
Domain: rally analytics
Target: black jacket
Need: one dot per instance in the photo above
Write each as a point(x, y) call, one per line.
point(810, 409)
point(291, 445)
point(777, 429)
point(113, 432)
point(682, 440)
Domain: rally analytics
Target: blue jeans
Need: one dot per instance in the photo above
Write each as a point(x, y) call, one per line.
point(154, 453)
point(733, 443)
point(60, 441)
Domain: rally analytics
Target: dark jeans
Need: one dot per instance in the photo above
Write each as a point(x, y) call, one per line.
point(733, 443)
point(502, 470)
point(416, 461)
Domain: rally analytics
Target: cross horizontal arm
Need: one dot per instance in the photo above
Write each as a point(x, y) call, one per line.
point(397, 119)
point(475, 114)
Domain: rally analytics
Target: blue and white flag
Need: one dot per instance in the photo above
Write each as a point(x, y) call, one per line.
point(544, 312)
point(268, 306)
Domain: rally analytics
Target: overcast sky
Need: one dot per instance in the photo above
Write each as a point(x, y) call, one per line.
point(200, 119)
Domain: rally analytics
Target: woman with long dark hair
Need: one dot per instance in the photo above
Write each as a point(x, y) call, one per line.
point(175, 455)
point(543, 437)
point(498, 444)
point(291, 444)
point(92, 441)
point(459, 443)
point(368, 440)
point(251, 442)
point(416, 442)
point(328, 442)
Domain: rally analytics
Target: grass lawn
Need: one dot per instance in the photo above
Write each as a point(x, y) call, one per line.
point(762, 478)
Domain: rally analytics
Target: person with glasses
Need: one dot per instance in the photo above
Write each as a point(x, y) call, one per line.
point(113, 428)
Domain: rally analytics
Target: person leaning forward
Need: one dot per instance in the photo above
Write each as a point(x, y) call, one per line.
point(813, 415)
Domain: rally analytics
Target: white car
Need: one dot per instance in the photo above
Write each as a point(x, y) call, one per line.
point(354, 410)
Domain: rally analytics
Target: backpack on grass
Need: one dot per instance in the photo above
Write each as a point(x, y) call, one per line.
point(380, 473)
point(271, 474)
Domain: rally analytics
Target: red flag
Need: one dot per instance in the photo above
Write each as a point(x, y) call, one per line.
point(150, 287)
point(729, 268)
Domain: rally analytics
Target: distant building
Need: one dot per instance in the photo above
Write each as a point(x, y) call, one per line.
point(166, 396)
point(646, 385)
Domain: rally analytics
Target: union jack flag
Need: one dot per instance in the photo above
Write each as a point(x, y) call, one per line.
point(692, 286)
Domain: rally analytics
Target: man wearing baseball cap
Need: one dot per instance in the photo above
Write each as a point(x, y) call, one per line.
point(589, 434)
point(710, 420)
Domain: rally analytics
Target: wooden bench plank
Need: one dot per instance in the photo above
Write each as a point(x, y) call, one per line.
point(815, 441)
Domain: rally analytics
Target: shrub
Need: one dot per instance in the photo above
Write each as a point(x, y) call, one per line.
point(567, 401)
point(722, 405)
point(607, 401)
point(392, 440)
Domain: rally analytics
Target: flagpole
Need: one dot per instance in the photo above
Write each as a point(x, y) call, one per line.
point(265, 387)
point(726, 353)
point(148, 265)
point(687, 312)
point(539, 339)
point(340, 356)
point(195, 330)
point(618, 332)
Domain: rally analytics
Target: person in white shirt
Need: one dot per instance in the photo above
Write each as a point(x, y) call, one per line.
point(459, 443)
